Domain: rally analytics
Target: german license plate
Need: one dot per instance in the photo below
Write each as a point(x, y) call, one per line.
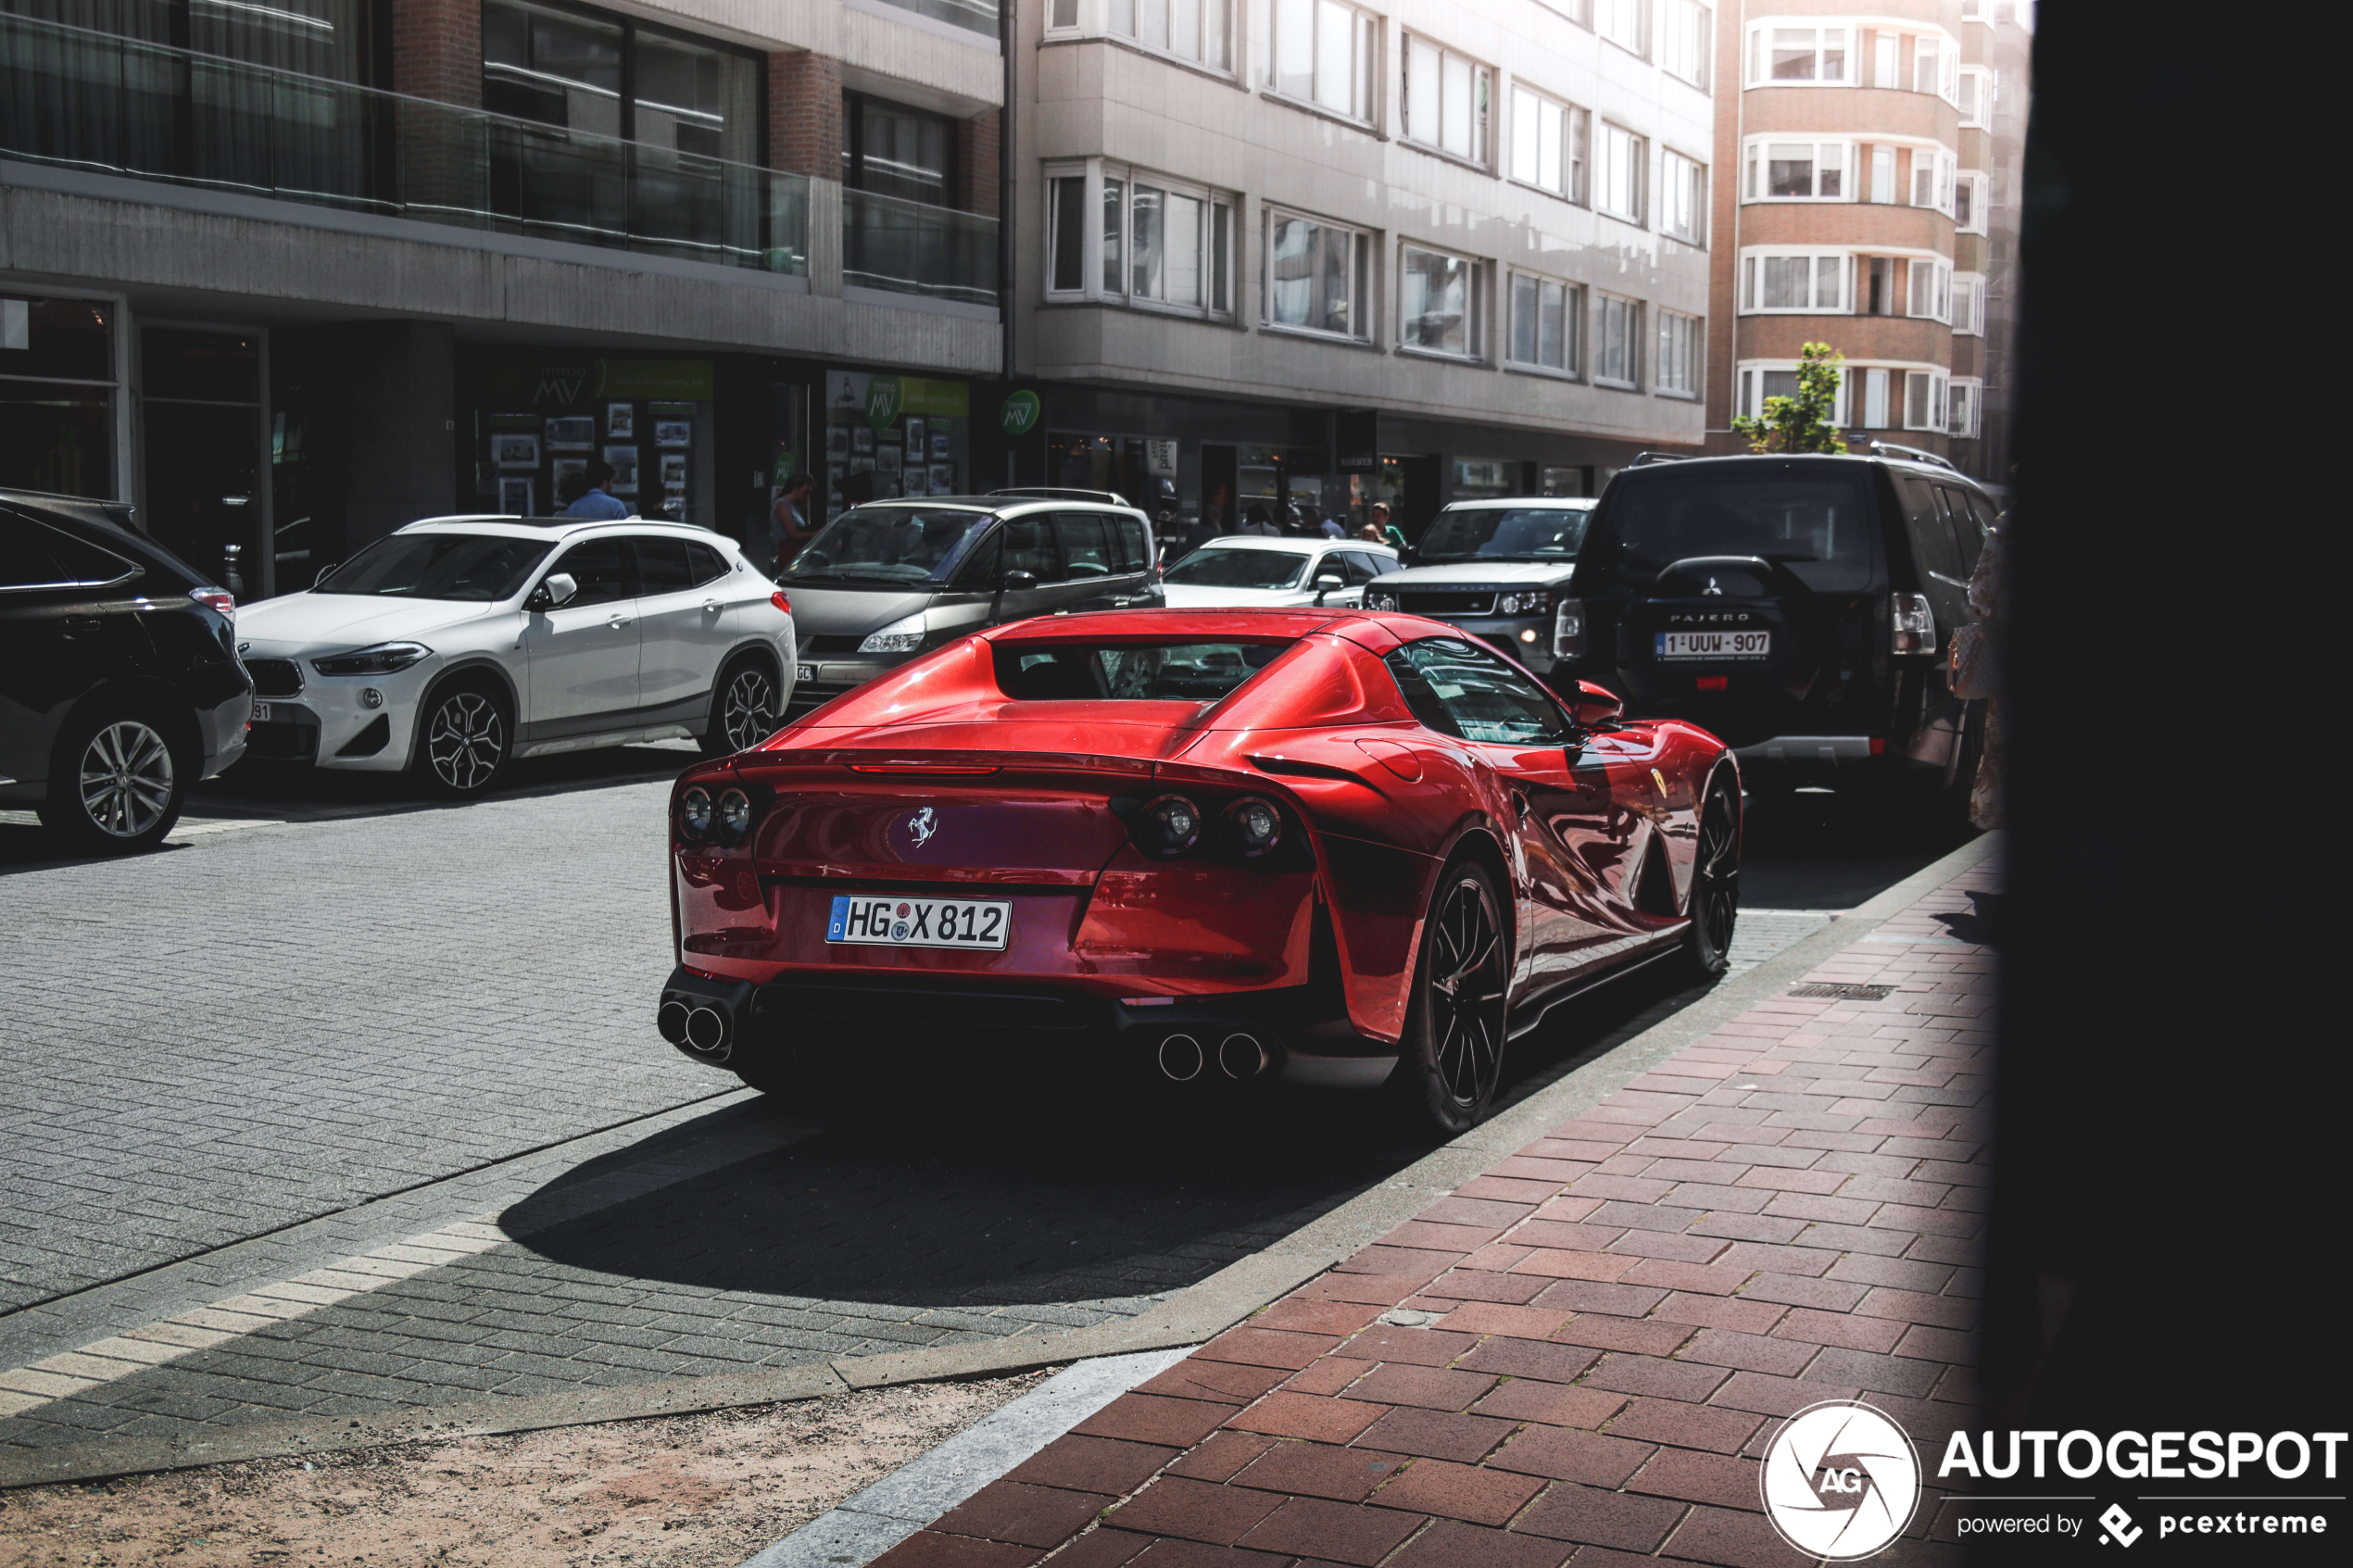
point(921, 922)
point(1715, 645)
point(262, 713)
point(806, 675)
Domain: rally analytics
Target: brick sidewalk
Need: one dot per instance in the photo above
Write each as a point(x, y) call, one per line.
point(1580, 1354)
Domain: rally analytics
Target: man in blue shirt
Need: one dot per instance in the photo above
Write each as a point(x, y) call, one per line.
point(595, 505)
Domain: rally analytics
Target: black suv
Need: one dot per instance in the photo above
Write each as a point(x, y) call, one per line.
point(120, 683)
point(1799, 606)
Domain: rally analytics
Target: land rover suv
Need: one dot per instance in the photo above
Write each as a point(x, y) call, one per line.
point(1799, 607)
point(1498, 569)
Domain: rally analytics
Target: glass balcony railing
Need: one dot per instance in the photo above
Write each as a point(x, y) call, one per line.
point(907, 247)
point(79, 99)
point(977, 16)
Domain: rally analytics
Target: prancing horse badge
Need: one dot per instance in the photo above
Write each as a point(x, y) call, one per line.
point(922, 825)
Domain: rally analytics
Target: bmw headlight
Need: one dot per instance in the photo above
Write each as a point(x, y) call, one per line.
point(1530, 601)
point(384, 658)
point(900, 636)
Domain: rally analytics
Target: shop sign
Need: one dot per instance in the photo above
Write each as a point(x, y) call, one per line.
point(1020, 416)
point(880, 400)
point(553, 381)
point(1160, 458)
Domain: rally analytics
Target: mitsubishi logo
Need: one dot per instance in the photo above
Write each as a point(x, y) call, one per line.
point(1711, 587)
point(922, 825)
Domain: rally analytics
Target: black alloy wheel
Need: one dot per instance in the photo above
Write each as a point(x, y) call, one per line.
point(1452, 1058)
point(745, 710)
point(1716, 886)
point(465, 741)
point(117, 789)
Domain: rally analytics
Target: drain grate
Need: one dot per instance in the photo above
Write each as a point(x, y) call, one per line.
point(1843, 993)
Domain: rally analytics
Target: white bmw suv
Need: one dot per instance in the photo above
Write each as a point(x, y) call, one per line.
point(458, 644)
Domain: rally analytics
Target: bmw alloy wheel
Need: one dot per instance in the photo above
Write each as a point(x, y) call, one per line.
point(465, 743)
point(750, 714)
point(1465, 996)
point(126, 779)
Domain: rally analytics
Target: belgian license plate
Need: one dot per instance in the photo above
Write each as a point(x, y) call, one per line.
point(805, 675)
point(921, 922)
point(1715, 645)
point(262, 713)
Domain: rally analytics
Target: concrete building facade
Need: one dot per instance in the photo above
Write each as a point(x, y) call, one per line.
point(1872, 163)
point(286, 277)
point(1309, 251)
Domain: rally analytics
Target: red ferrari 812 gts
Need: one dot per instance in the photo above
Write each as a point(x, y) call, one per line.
point(1331, 846)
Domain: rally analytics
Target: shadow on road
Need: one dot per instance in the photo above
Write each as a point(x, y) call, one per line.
point(1817, 851)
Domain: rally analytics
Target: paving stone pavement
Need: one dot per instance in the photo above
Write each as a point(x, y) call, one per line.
point(1582, 1352)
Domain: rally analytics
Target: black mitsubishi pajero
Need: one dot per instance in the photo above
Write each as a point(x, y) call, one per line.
point(1799, 606)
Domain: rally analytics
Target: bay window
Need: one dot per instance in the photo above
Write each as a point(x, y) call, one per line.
point(1968, 203)
point(1931, 289)
point(1968, 303)
point(1446, 99)
point(1617, 341)
point(1545, 320)
point(1883, 174)
point(1797, 171)
point(1549, 145)
point(1438, 303)
point(1933, 180)
point(1683, 34)
point(1620, 186)
point(1874, 398)
point(1153, 242)
point(1781, 55)
point(1317, 276)
point(1802, 280)
point(1191, 30)
point(1754, 383)
point(1974, 97)
point(1622, 23)
point(1683, 198)
point(1887, 65)
point(1924, 399)
point(1936, 67)
point(1324, 54)
point(1962, 400)
point(1679, 341)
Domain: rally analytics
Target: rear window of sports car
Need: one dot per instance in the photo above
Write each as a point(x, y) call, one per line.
point(1076, 671)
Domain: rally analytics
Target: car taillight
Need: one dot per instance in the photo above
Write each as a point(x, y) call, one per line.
point(1568, 629)
point(1911, 623)
point(218, 600)
point(1169, 825)
point(779, 600)
point(694, 815)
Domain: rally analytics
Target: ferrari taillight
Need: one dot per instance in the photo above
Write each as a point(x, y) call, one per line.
point(1911, 623)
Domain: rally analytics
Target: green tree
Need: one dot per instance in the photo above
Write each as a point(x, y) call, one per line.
point(1801, 423)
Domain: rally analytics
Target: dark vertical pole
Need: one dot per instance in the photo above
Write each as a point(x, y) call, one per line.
point(1008, 36)
point(183, 91)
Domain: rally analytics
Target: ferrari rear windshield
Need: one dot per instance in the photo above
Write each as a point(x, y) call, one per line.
point(1077, 671)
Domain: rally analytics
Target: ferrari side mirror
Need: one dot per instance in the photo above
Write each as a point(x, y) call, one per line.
point(1594, 706)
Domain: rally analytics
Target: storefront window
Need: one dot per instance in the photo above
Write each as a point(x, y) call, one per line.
point(545, 426)
point(56, 395)
point(890, 436)
point(1479, 477)
point(200, 405)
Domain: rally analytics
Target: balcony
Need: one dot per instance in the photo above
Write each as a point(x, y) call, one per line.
point(78, 99)
point(905, 247)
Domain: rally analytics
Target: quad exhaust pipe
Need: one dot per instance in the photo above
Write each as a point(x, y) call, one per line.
point(1240, 1056)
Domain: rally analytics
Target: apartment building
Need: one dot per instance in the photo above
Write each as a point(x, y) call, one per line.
point(1871, 201)
point(1311, 250)
point(286, 276)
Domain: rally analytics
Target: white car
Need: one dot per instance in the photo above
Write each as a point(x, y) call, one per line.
point(1258, 571)
point(457, 643)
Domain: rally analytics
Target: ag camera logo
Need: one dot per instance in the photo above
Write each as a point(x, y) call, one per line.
point(1840, 1480)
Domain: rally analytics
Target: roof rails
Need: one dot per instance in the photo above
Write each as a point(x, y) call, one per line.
point(1643, 459)
point(1911, 454)
point(1060, 493)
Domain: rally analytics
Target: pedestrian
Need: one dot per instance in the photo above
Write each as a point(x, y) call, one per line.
point(1218, 514)
point(1389, 530)
point(594, 502)
point(1976, 668)
point(1330, 529)
point(1255, 521)
point(793, 519)
point(1372, 535)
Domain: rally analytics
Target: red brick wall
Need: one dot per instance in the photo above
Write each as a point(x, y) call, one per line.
point(804, 113)
point(436, 50)
point(978, 183)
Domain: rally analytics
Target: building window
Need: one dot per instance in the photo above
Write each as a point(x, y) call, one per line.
point(1968, 303)
point(1622, 23)
point(1683, 198)
point(1683, 31)
point(1968, 203)
point(1807, 281)
point(1933, 180)
point(1808, 56)
point(1446, 98)
point(1438, 304)
point(569, 68)
point(57, 380)
point(1931, 290)
point(1155, 242)
point(1797, 171)
point(1936, 66)
point(1619, 187)
point(1756, 383)
point(1883, 174)
point(1874, 398)
point(1317, 276)
point(1549, 145)
point(1961, 412)
point(1617, 341)
point(1680, 340)
point(1545, 318)
point(1924, 400)
point(893, 150)
point(1974, 95)
point(1887, 62)
point(1191, 30)
point(1324, 55)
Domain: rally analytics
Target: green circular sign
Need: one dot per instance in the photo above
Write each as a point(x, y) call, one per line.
point(1022, 409)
